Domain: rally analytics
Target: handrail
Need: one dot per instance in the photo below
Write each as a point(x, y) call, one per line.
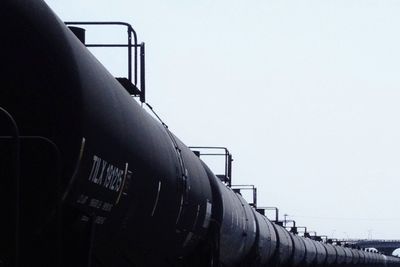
point(129, 45)
point(228, 159)
point(17, 174)
point(131, 32)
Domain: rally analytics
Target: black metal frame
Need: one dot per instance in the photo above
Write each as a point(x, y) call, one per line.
point(129, 45)
point(272, 208)
point(248, 187)
point(302, 227)
point(17, 173)
point(227, 177)
point(293, 228)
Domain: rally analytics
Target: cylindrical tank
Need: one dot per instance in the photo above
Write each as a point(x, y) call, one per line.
point(373, 258)
point(384, 260)
point(144, 190)
point(331, 254)
point(311, 252)
point(285, 246)
point(356, 256)
point(341, 255)
point(367, 258)
point(238, 227)
point(267, 240)
point(349, 255)
point(361, 259)
point(299, 250)
point(321, 253)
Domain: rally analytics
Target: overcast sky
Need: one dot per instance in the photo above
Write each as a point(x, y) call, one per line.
point(305, 94)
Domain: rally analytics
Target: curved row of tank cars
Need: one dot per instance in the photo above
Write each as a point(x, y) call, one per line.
point(101, 182)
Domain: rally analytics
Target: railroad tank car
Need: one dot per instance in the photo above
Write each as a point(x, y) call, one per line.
point(285, 248)
point(348, 256)
point(364, 256)
point(331, 254)
point(372, 258)
point(321, 253)
point(375, 258)
point(89, 178)
point(360, 256)
point(311, 252)
point(355, 256)
point(118, 163)
point(238, 227)
point(341, 255)
point(299, 250)
point(266, 239)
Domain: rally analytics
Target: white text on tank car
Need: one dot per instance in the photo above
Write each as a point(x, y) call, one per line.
point(106, 174)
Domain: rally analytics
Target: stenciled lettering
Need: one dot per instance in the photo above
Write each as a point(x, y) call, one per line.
point(105, 174)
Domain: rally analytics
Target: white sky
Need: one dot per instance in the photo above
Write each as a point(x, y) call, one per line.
point(305, 94)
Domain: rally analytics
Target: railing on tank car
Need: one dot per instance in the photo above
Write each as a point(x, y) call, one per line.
point(16, 141)
point(205, 151)
point(130, 85)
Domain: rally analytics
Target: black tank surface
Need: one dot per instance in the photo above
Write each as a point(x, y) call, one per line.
point(299, 250)
point(370, 258)
point(367, 259)
point(362, 256)
point(365, 256)
point(331, 254)
point(395, 260)
point(266, 238)
point(381, 259)
point(356, 256)
point(375, 258)
point(145, 190)
point(311, 252)
point(349, 255)
point(385, 260)
point(250, 225)
point(238, 227)
point(321, 253)
point(341, 255)
point(284, 252)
